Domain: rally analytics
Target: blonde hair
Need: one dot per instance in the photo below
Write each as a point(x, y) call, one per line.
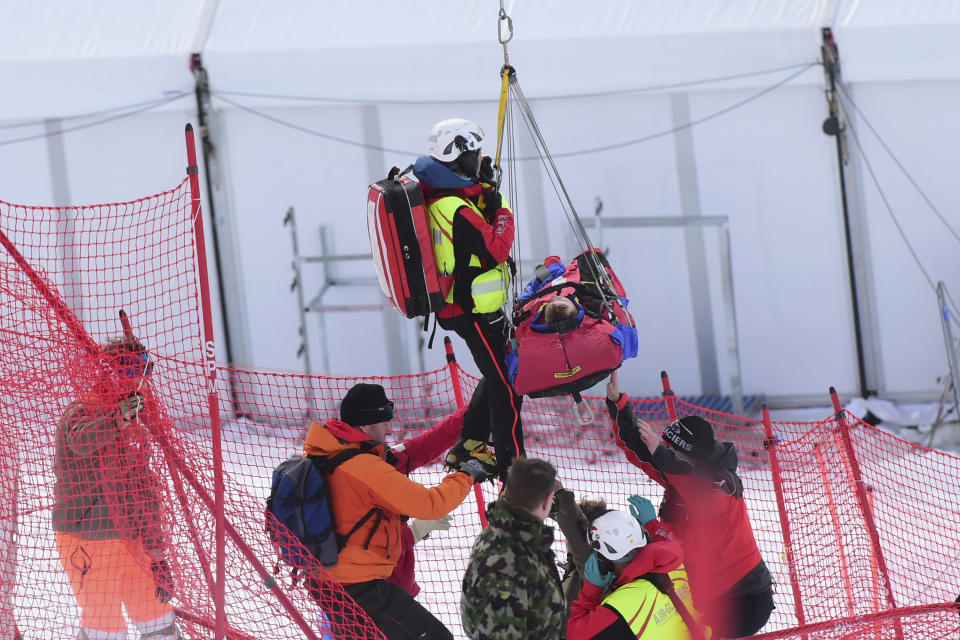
point(558, 309)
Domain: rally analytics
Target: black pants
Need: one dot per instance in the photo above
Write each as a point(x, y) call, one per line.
point(745, 614)
point(392, 609)
point(494, 408)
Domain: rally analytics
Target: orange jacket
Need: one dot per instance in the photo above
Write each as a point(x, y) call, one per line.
point(367, 481)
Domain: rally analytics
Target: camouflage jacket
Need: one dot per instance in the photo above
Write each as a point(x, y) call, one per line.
point(511, 590)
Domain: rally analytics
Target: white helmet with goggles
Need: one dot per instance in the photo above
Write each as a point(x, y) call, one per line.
point(615, 534)
point(452, 137)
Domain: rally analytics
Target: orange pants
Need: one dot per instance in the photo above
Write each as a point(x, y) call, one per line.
point(105, 574)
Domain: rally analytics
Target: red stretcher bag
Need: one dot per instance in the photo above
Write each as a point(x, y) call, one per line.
point(578, 352)
point(401, 246)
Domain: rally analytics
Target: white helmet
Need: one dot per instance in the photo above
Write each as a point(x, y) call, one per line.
point(615, 534)
point(452, 137)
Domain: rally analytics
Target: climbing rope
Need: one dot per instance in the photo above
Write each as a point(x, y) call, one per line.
point(511, 94)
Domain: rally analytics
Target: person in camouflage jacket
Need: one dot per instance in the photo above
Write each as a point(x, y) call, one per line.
point(511, 589)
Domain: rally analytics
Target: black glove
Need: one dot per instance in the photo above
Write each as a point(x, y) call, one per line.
point(492, 201)
point(486, 170)
point(467, 449)
point(476, 469)
point(163, 578)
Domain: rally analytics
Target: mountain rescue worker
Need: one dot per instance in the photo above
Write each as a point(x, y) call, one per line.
point(373, 489)
point(703, 509)
point(107, 507)
point(472, 231)
point(633, 588)
point(511, 589)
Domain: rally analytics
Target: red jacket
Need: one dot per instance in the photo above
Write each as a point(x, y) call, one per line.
point(589, 618)
point(410, 455)
point(704, 511)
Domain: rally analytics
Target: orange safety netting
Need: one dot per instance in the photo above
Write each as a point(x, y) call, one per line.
point(861, 530)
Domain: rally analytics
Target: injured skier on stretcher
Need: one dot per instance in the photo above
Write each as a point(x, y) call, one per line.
point(559, 315)
point(572, 328)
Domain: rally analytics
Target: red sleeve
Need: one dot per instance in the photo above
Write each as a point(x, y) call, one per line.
point(622, 419)
point(587, 616)
point(404, 574)
point(659, 531)
point(429, 445)
point(698, 495)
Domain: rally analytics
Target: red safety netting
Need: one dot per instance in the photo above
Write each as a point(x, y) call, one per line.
point(859, 528)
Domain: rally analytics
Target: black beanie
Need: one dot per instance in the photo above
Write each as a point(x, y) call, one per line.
point(365, 404)
point(691, 435)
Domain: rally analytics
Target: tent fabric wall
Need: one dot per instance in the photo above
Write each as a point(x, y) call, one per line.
point(64, 58)
point(898, 41)
point(371, 51)
point(383, 77)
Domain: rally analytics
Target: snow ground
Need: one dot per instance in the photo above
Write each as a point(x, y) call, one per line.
point(46, 608)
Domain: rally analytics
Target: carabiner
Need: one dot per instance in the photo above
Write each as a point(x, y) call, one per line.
point(583, 411)
point(501, 19)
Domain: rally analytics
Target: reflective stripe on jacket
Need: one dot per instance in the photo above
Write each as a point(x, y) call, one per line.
point(490, 288)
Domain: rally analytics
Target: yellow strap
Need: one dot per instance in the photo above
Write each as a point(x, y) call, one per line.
point(502, 113)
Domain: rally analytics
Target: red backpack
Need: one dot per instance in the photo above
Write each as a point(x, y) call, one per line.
point(401, 245)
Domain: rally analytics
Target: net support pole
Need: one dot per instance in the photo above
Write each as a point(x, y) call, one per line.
point(453, 367)
point(770, 443)
point(864, 504)
point(668, 396)
point(837, 529)
point(268, 580)
point(191, 526)
point(210, 369)
point(875, 595)
point(951, 347)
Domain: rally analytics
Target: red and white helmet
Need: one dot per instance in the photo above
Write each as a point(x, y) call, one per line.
point(615, 534)
point(452, 137)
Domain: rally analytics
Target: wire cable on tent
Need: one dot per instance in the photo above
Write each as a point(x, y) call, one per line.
point(889, 208)
point(143, 107)
point(899, 164)
point(308, 130)
point(94, 114)
point(688, 125)
point(560, 96)
point(567, 154)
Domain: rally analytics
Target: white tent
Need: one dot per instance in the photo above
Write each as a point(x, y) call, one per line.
point(308, 100)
